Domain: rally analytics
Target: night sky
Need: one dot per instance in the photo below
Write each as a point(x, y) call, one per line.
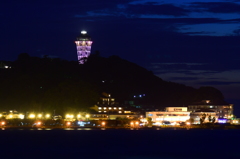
point(193, 42)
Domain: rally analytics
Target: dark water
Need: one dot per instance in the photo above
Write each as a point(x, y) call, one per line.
point(118, 144)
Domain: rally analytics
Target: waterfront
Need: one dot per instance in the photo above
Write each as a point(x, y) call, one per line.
point(122, 143)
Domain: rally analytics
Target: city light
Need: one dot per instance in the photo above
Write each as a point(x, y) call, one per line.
point(70, 116)
point(21, 116)
point(32, 116)
point(47, 116)
point(83, 32)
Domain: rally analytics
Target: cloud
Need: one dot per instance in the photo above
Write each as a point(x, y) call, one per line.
point(212, 83)
point(183, 78)
point(216, 7)
point(155, 9)
point(236, 32)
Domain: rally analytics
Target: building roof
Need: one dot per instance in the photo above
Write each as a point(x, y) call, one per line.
point(204, 110)
point(209, 102)
point(84, 37)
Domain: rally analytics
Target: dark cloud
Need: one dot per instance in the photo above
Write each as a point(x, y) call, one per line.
point(183, 78)
point(198, 33)
point(155, 9)
point(236, 32)
point(216, 7)
point(212, 83)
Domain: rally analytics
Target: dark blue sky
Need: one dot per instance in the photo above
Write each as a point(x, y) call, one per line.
point(194, 42)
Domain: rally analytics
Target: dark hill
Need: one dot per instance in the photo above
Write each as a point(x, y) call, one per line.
point(45, 84)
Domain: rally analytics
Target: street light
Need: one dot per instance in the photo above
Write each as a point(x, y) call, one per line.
point(21, 116)
point(39, 115)
point(47, 116)
point(68, 123)
point(3, 123)
point(87, 116)
point(31, 116)
point(103, 123)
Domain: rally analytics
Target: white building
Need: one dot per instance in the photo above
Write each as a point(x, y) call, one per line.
point(172, 114)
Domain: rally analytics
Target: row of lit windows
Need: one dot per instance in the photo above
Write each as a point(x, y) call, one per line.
point(106, 111)
point(110, 108)
point(107, 99)
point(172, 114)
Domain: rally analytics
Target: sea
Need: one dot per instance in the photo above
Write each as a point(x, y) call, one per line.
point(88, 143)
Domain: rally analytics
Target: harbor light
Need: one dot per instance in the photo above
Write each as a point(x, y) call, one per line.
point(47, 116)
point(69, 116)
point(68, 123)
point(21, 116)
point(103, 123)
point(32, 116)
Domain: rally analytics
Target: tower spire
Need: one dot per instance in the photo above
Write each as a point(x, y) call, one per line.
point(83, 44)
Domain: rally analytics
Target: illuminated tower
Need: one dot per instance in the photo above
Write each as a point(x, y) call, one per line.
point(83, 44)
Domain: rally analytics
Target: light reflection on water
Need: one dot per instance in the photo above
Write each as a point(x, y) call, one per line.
point(84, 129)
point(68, 129)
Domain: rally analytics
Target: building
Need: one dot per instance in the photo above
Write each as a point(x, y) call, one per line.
point(107, 105)
point(222, 109)
point(83, 44)
point(208, 113)
point(172, 115)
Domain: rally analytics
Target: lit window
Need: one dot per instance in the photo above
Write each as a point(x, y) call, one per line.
point(105, 111)
point(119, 111)
point(104, 108)
point(99, 107)
point(120, 108)
point(114, 108)
point(109, 108)
point(99, 111)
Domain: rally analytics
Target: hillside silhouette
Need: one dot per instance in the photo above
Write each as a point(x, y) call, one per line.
point(47, 84)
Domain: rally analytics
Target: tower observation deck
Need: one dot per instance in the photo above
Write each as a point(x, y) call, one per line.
point(83, 44)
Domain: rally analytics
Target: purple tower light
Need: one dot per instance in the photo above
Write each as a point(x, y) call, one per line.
point(83, 44)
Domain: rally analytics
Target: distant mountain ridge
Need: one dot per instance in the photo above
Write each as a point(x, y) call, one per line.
point(46, 84)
